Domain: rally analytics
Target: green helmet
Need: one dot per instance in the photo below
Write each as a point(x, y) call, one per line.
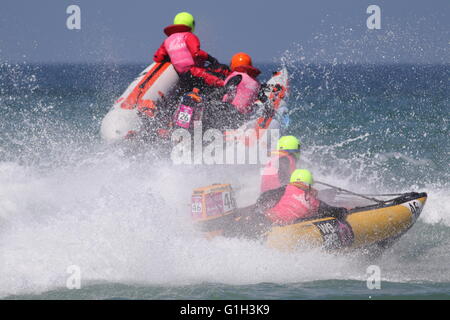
point(185, 18)
point(288, 143)
point(302, 175)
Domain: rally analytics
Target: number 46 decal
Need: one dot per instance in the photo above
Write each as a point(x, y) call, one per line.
point(228, 201)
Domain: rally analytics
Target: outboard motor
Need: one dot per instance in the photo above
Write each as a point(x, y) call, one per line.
point(189, 110)
point(212, 202)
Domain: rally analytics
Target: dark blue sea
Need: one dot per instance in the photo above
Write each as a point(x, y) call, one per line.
point(69, 202)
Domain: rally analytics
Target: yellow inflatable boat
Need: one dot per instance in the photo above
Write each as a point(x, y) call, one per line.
point(214, 212)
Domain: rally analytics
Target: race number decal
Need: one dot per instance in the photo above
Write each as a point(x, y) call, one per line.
point(336, 234)
point(196, 207)
point(415, 206)
point(184, 116)
point(228, 201)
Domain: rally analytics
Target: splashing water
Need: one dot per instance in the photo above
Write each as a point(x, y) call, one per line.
point(67, 199)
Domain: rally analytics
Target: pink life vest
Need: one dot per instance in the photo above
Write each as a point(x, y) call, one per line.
point(179, 53)
point(295, 204)
point(270, 179)
point(246, 92)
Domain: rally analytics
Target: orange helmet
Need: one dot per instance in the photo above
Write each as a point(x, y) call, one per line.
point(240, 59)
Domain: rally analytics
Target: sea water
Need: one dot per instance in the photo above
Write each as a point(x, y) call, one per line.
point(122, 219)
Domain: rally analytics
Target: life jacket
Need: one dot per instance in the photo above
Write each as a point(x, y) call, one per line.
point(298, 202)
point(178, 51)
point(270, 179)
point(246, 91)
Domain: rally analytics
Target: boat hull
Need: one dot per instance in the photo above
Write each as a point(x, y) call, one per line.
point(361, 227)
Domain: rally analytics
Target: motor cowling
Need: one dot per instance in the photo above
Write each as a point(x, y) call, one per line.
point(190, 110)
point(212, 202)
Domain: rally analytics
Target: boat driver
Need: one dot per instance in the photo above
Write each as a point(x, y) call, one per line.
point(297, 200)
point(182, 49)
point(281, 164)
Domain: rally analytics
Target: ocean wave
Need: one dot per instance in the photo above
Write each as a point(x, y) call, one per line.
point(66, 199)
point(121, 222)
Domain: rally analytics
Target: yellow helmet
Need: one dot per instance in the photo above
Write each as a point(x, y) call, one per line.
point(185, 18)
point(302, 175)
point(288, 143)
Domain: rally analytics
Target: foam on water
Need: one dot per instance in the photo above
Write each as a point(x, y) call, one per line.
point(67, 200)
point(121, 221)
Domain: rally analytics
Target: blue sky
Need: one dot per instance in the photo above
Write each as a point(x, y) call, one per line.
point(312, 31)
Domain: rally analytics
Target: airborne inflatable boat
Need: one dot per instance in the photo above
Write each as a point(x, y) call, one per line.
point(159, 80)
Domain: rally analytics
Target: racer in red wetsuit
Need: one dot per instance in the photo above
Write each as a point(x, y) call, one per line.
point(297, 200)
point(282, 164)
point(236, 101)
point(182, 49)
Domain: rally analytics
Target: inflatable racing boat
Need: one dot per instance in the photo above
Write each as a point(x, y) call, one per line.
point(159, 80)
point(143, 94)
point(214, 212)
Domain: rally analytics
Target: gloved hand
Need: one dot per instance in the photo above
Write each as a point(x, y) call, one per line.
point(262, 93)
point(265, 87)
point(221, 66)
point(339, 213)
point(234, 82)
point(213, 60)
